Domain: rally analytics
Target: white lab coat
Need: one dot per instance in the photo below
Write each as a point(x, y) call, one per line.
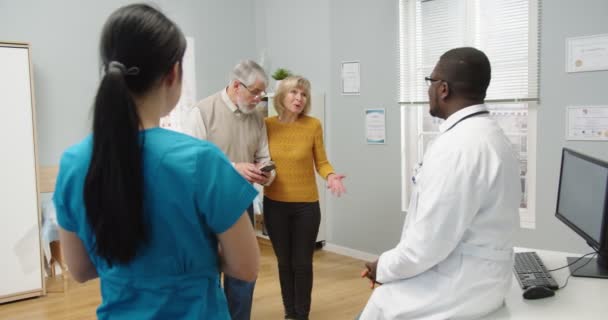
point(455, 255)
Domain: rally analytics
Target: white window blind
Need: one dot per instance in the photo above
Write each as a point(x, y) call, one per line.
point(506, 30)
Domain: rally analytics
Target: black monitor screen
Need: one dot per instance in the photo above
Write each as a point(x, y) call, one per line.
point(582, 194)
point(582, 204)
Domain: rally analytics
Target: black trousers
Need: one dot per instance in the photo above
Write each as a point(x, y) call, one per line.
point(293, 228)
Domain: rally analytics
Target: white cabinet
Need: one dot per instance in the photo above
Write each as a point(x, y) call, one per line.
point(20, 255)
point(317, 110)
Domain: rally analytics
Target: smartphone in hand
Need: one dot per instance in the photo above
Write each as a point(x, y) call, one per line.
point(268, 167)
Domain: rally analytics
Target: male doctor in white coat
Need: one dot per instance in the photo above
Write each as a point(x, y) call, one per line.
point(455, 255)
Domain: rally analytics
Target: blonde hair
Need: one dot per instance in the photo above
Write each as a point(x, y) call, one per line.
point(287, 85)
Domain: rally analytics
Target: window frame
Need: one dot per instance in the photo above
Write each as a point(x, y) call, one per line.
point(412, 110)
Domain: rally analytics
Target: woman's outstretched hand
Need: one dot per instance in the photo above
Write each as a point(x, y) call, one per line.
point(334, 183)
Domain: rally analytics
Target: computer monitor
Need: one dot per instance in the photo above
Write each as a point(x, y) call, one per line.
point(582, 204)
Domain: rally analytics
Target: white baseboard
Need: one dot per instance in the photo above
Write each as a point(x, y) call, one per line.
point(356, 254)
point(259, 234)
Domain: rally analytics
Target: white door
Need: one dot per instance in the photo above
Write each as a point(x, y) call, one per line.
point(20, 255)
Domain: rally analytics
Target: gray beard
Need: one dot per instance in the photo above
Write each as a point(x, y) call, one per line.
point(245, 110)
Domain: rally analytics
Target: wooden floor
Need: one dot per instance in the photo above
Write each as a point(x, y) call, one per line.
point(338, 293)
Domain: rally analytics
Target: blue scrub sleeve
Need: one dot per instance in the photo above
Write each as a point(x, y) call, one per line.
point(62, 192)
point(222, 193)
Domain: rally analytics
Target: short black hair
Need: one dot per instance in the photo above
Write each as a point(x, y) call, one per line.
point(467, 71)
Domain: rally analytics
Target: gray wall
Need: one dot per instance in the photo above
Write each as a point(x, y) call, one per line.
point(368, 218)
point(294, 35)
point(64, 38)
point(561, 20)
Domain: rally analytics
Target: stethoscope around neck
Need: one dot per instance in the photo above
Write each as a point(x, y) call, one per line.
point(419, 165)
point(468, 116)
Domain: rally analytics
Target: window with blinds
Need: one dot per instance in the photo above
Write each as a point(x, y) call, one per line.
point(504, 29)
point(507, 31)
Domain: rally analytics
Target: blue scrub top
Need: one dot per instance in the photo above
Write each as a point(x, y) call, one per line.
point(191, 193)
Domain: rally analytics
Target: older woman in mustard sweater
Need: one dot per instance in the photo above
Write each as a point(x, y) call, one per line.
point(291, 203)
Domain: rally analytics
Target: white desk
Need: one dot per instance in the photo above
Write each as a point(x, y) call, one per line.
point(582, 298)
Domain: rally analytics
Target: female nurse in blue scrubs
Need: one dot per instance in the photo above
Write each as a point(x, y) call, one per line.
point(143, 208)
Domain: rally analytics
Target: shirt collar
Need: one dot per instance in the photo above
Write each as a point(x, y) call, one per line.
point(228, 102)
point(458, 115)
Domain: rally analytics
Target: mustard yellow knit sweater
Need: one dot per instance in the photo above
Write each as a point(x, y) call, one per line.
point(296, 148)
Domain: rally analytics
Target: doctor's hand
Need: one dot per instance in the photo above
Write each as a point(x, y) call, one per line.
point(370, 273)
point(334, 183)
point(251, 172)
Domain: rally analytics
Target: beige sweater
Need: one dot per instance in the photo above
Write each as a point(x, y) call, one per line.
point(242, 137)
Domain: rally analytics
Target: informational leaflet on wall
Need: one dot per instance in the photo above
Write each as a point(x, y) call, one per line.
point(173, 120)
point(351, 78)
point(587, 123)
point(375, 126)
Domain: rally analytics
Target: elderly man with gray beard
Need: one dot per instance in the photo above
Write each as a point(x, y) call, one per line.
point(228, 119)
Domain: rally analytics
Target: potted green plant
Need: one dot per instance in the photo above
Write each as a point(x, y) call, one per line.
point(279, 75)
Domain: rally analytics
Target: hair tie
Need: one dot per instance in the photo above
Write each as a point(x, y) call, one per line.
point(133, 71)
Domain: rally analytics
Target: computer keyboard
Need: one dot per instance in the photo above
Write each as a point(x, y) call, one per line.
point(530, 271)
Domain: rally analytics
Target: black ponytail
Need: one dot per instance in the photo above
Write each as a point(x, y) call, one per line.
point(139, 45)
